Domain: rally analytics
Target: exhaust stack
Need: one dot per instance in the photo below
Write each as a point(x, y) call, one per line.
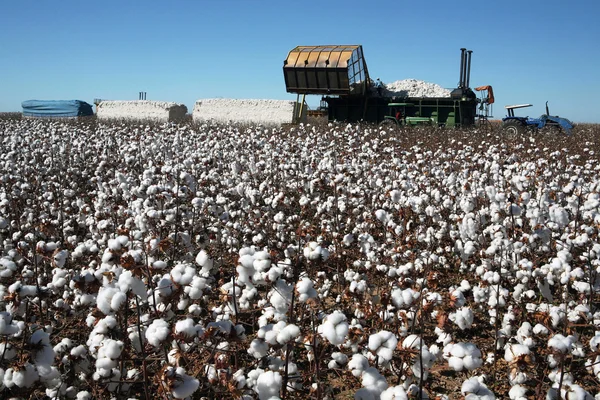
point(468, 71)
point(461, 79)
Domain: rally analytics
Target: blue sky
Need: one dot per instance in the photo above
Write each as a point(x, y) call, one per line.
point(530, 51)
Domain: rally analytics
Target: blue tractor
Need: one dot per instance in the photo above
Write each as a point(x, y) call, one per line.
point(514, 126)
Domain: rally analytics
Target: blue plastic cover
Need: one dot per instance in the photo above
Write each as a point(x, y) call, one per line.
point(56, 108)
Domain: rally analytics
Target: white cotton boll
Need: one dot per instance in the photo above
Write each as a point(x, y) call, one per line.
point(394, 393)
point(364, 394)
point(373, 381)
point(204, 261)
point(402, 298)
point(517, 392)
point(268, 385)
point(117, 301)
point(159, 265)
point(561, 343)
point(383, 344)
point(348, 239)
point(157, 332)
point(305, 289)
point(458, 298)
point(183, 274)
point(129, 282)
point(83, 395)
point(288, 333)
point(358, 364)
point(258, 348)
point(196, 289)
point(315, 252)
point(513, 351)
point(7, 326)
point(334, 328)
point(60, 257)
point(473, 386)
point(185, 385)
point(186, 327)
point(104, 300)
point(463, 317)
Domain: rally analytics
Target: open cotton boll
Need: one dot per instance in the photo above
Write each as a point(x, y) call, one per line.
point(315, 252)
point(204, 261)
point(334, 328)
point(373, 381)
point(463, 317)
point(463, 356)
point(338, 360)
point(187, 328)
point(305, 289)
point(60, 257)
point(195, 290)
point(157, 332)
point(358, 364)
point(183, 274)
point(561, 343)
point(383, 345)
point(44, 353)
point(7, 327)
point(517, 392)
point(110, 299)
point(268, 385)
point(474, 389)
point(184, 385)
point(394, 393)
point(258, 348)
point(7, 267)
point(402, 298)
point(129, 282)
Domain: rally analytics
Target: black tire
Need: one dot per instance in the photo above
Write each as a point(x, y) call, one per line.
point(388, 124)
point(513, 128)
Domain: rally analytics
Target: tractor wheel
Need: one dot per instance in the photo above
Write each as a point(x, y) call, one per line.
point(512, 129)
point(388, 124)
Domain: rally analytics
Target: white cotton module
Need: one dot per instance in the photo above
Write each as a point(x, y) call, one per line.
point(402, 298)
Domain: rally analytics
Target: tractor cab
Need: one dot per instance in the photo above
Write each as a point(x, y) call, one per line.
point(397, 115)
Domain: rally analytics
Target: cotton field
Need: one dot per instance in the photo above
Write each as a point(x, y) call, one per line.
point(319, 261)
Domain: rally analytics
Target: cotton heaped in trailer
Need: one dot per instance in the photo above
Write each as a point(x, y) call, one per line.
point(161, 111)
point(252, 111)
point(56, 108)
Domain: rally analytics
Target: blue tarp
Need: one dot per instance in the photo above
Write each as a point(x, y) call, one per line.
point(56, 108)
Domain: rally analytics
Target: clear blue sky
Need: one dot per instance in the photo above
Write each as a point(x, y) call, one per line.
point(530, 51)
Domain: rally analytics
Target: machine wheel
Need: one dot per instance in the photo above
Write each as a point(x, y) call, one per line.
point(388, 124)
point(513, 128)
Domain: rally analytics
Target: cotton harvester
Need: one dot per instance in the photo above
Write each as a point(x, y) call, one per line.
point(341, 76)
